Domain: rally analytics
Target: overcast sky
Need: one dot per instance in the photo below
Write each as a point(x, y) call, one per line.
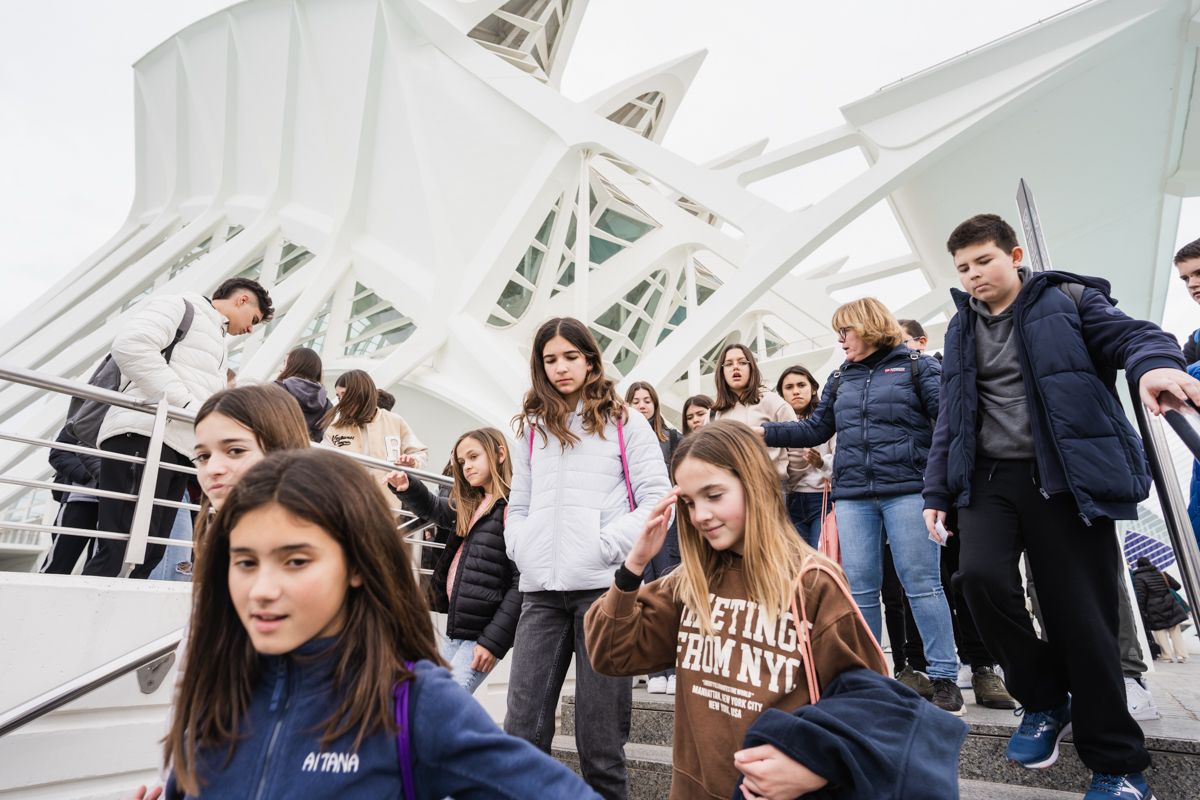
point(778, 69)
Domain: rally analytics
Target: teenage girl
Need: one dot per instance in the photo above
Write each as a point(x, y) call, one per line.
point(585, 476)
point(641, 397)
point(723, 617)
point(809, 468)
point(301, 378)
point(741, 396)
point(326, 681)
point(360, 425)
point(697, 411)
point(474, 583)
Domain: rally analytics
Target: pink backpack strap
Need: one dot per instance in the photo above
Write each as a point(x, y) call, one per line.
point(804, 626)
point(531, 442)
point(625, 463)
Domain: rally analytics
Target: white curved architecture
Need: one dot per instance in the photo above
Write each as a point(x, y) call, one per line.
point(407, 179)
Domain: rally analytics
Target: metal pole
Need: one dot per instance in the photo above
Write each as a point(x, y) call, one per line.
point(1170, 495)
point(135, 551)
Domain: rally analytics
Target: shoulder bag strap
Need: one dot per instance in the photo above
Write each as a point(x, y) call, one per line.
point(403, 744)
point(625, 463)
point(185, 324)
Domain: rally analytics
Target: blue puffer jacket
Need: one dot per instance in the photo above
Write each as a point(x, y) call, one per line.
point(882, 424)
point(1083, 442)
point(457, 750)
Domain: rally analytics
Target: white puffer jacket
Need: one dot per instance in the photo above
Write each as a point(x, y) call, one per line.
point(569, 523)
point(196, 370)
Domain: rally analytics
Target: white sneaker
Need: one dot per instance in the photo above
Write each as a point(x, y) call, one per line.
point(964, 676)
point(657, 685)
point(1140, 701)
point(670, 684)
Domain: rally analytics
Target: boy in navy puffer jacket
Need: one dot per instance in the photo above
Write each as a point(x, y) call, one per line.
point(1033, 447)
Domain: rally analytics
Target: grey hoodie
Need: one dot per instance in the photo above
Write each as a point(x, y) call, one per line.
point(1004, 431)
point(313, 400)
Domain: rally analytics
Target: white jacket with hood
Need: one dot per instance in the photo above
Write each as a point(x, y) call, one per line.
point(196, 370)
point(569, 523)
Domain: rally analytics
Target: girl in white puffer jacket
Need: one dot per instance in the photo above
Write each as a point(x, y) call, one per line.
point(585, 475)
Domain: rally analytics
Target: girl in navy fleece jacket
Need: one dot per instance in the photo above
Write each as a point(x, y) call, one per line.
point(311, 622)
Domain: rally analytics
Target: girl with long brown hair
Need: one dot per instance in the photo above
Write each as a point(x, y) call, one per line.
point(742, 396)
point(585, 474)
point(474, 582)
point(358, 424)
point(324, 678)
point(697, 412)
point(301, 378)
point(809, 468)
point(722, 618)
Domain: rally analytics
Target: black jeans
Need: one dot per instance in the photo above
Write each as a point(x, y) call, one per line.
point(1073, 565)
point(65, 550)
point(117, 515)
point(549, 632)
point(971, 649)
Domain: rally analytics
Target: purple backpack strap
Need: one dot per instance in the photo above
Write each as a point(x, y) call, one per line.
point(625, 463)
point(403, 745)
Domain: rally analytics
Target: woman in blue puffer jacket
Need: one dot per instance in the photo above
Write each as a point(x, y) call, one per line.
point(881, 403)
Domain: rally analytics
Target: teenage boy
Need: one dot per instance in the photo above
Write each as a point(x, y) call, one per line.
point(1033, 448)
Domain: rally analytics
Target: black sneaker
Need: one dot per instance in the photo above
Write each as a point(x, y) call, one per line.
point(947, 696)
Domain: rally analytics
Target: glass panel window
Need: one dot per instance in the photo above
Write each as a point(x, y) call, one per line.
point(622, 226)
point(292, 258)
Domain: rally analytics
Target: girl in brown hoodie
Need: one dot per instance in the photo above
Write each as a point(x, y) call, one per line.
point(723, 619)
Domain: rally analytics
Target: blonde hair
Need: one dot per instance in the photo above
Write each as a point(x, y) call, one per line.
point(871, 318)
point(772, 552)
point(466, 499)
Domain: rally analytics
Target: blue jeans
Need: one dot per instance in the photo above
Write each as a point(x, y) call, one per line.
point(458, 654)
point(804, 509)
point(862, 526)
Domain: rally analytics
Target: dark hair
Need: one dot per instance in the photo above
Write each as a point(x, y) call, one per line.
point(814, 398)
point(302, 362)
point(544, 404)
point(981, 229)
point(727, 398)
point(233, 285)
point(386, 400)
point(656, 422)
point(1188, 252)
point(913, 328)
point(387, 620)
point(700, 400)
point(358, 405)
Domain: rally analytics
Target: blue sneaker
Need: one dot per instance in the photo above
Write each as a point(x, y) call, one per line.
point(1125, 787)
point(1035, 744)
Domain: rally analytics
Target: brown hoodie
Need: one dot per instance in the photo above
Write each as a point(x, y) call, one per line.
point(726, 680)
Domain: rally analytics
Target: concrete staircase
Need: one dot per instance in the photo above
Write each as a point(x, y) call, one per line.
point(1174, 742)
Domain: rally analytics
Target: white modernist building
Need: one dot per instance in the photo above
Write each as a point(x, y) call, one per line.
point(407, 179)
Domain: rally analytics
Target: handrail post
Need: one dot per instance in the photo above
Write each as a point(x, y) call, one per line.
point(135, 550)
point(1170, 496)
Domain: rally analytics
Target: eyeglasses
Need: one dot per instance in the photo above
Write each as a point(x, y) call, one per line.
point(842, 331)
point(741, 362)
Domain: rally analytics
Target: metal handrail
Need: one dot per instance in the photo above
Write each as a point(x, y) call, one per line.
point(75, 688)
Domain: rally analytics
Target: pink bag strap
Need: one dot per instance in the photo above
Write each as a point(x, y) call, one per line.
point(624, 459)
point(804, 626)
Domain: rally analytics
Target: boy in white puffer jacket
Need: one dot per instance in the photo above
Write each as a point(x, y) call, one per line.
point(195, 371)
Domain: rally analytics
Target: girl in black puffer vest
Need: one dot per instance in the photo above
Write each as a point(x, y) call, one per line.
point(1163, 614)
point(474, 583)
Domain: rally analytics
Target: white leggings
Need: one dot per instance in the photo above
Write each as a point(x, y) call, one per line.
point(1170, 640)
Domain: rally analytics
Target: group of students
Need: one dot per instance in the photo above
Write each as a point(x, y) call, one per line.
point(323, 678)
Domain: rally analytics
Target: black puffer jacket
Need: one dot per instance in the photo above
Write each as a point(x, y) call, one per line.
point(1155, 599)
point(484, 603)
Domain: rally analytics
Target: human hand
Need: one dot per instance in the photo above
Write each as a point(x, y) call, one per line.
point(814, 458)
point(760, 431)
point(1167, 379)
point(398, 480)
point(152, 794)
point(482, 660)
point(406, 460)
point(932, 518)
point(771, 775)
point(653, 535)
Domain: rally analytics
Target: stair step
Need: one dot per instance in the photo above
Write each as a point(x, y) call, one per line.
point(648, 765)
point(1173, 742)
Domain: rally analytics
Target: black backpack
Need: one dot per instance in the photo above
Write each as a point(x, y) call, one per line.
point(84, 417)
point(913, 357)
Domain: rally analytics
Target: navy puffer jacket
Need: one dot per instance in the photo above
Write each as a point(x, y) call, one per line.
point(1083, 442)
point(882, 421)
